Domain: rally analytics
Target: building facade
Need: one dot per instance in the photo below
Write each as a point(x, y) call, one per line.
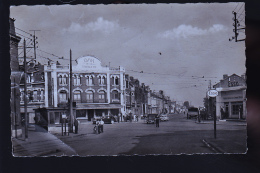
point(15, 81)
point(231, 99)
point(97, 91)
point(35, 89)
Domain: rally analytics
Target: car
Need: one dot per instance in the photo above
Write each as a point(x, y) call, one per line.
point(151, 118)
point(193, 112)
point(164, 117)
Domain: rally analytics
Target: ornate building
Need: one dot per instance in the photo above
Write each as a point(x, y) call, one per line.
point(97, 90)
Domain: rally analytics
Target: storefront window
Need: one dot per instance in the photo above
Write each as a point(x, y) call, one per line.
point(235, 109)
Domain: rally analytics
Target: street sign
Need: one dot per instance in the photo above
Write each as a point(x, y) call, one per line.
point(212, 93)
point(64, 116)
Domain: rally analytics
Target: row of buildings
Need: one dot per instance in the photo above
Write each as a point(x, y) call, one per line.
point(96, 91)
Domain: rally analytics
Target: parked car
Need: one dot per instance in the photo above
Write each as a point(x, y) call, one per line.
point(150, 118)
point(192, 113)
point(164, 117)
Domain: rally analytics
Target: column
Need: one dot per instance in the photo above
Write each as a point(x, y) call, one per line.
point(230, 110)
point(55, 90)
point(122, 91)
point(108, 87)
point(46, 87)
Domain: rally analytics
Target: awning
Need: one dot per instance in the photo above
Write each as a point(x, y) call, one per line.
point(98, 106)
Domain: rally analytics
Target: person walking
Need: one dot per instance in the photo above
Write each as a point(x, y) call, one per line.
point(101, 126)
point(76, 124)
point(157, 120)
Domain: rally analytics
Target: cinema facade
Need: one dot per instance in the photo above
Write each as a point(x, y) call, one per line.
point(97, 91)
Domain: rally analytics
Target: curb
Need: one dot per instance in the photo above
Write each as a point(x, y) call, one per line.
point(213, 148)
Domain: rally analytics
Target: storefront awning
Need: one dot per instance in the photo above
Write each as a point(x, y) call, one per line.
point(98, 106)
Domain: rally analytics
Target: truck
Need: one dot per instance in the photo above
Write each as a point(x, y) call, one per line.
point(193, 112)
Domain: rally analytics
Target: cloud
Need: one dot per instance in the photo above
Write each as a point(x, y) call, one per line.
point(100, 25)
point(184, 31)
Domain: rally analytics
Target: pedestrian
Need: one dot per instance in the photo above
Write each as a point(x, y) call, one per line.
point(157, 120)
point(222, 113)
point(130, 116)
point(76, 124)
point(101, 126)
point(118, 117)
point(137, 118)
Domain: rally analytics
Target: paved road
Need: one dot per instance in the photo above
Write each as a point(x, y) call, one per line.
point(176, 136)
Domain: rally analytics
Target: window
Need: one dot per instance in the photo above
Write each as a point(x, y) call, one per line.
point(90, 96)
point(116, 81)
point(115, 94)
point(103, 80)
point(127, 84)
point(42, 95)
point(62, 79)
point(35, 95)
point(63, 96)
point(77, 96)
point(77, 80)
point(22, 96)
point(99, 79)
point(102, 96)
point(89, 80)
point(236, 109)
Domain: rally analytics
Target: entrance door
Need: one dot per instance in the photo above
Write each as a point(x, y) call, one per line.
point(226, 114)
point(90, 114)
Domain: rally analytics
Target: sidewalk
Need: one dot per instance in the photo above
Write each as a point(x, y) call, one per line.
point(40, 143)
point(234, 141)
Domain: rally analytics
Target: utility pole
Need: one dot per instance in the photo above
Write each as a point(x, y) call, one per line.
point(34, 42)
point(71, 100)
point(236, 24)
point(25, 92)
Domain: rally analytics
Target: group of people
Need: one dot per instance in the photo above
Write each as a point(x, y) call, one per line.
point(100, 126)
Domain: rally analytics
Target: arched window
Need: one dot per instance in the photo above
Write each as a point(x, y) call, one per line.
point(103, 80)
point(91, 80)
point(102, 96)
point(116, 81)
point(99, 80)
point(77, 96)
point(63, 96)
point(115, 96)
point(90, 97)
point(60, 79)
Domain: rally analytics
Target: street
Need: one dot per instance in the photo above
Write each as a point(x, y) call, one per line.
point(176, 136)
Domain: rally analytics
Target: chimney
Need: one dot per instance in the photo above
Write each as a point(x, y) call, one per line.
point(225, 76)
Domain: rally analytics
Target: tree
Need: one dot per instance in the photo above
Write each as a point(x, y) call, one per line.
point(187, 104)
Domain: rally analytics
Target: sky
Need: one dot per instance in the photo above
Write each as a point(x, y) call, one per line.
point(177, 48)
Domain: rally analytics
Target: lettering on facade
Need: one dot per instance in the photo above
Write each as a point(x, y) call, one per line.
point(238, 97)
point(232, 84)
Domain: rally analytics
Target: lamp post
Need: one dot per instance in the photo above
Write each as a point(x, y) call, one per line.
point(71, 118)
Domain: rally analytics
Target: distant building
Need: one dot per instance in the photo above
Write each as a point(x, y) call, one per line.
point(231, 97)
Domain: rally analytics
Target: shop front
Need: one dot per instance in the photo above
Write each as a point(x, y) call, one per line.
point(231, 99)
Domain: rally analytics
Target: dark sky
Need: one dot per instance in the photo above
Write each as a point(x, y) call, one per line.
point(178, 47)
